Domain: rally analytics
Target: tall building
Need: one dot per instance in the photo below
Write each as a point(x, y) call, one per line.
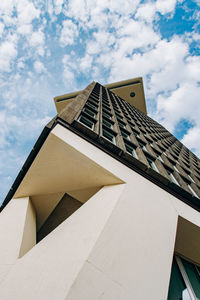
point(106, 206)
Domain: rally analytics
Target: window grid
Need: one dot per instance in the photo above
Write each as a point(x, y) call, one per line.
point(109, 136)
point(87, 122)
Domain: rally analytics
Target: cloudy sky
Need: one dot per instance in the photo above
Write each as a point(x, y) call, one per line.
point(51, 47)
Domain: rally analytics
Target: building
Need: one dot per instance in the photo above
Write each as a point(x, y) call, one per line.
point(106, 206)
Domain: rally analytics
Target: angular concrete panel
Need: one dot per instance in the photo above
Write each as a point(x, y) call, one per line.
point(52, 266)
point(132, 257)
point(17, 232)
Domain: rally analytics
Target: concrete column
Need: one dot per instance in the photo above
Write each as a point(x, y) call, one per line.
point(17, 232)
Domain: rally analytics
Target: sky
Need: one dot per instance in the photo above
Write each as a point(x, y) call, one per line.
point(52, 47)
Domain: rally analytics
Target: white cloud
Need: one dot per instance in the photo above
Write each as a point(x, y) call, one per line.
point(1, 29)
point(25, 29)
point(100, 42)
point(20, 64)
point(37, 38)
point(68, 33)
point(86, 63)
point(8, 53)
point(36, 41)
point(146, 12)
point(39, 67)
point(68, 70)
point(191, 140)
point(58, 6)
point(181, 104)
point(165, 6)
point(6, 7)
point(26, 12)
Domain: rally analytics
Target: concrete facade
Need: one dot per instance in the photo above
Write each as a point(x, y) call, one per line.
point(118, 245)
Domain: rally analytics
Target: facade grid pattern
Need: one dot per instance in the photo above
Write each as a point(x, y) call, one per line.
point(122, 128)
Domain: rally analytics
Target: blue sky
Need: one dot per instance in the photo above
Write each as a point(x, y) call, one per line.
point(52, 47)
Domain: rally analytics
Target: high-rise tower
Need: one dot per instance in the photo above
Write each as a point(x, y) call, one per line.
point(106, 206)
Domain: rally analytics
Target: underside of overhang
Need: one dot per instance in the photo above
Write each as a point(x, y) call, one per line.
point(60, 168)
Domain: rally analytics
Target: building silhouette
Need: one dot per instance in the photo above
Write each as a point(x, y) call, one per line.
point(106, 206)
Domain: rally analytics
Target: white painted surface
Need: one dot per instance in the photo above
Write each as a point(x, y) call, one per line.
point(17, 232)
point(50, 268)
point(135, 250)
point(29, 234)
point(118, 246)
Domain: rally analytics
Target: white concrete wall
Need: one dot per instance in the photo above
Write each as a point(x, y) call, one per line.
point(119, 245)
point(132, 257)
point(17, 232)
point(49, 270)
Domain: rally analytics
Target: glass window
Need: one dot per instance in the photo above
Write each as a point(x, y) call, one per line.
point(190, 178)
point(142, 146)
point(118, 115)
point(91, 105)
point(125, 135)
point(193, 276)
point(106, 106)
point(107, 123)
point(193, 192)
point(109, 136)
point(86, 122)
point(131, 150)
point(175, 168)
point(104, 114)
point(122, 125)
point(177, 287)
point(89, 112)
point(152, 164)
point(171, 176)
point(185, 280)
point(160, 158)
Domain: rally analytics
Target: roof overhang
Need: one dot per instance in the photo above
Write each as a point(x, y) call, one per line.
point(130, 90)
point(60, 167)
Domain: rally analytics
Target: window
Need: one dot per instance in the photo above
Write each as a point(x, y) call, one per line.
point(135, 132)
point(171, 176)
point(160, 158)
point(152, 164)
point(89, 112)
point(190, 178)
point(104, 114)
point(193, 192)
point(121, 124)
point(118, 115)
point(87, 122)
point(143, 131)
point(125, 135)
point(130, 150)
point(94, 98)
point(175, 168)
point(108, 135)
point(142, 146)
point(185, 280)
point(91, 105)
point(106, 106)
point(107, 123)
point(188, 174)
